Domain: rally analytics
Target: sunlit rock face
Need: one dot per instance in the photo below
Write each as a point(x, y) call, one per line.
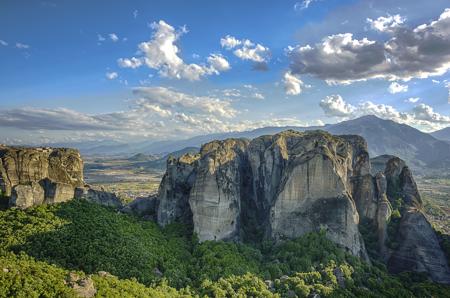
point(33, 176)
point(279, 186)
point(216, 193)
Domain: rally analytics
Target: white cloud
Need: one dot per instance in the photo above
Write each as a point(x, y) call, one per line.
point(303, 5)
point(3, 43)
point(335, 106)
point(111, 75)
point(169, 98)
point(395, 87)
point(256, 53)
point(113, 37)
point(420, 52)
point(229, 42)
point(257, 95)
point(413, 99)
point(435, 81)
point(246, 49)
point(386, 24)
point(421, 116)
point(162, 53)
point(22, 45)
point(218, 63)
point(292, 84)
point(133, 62)
point(135, 13)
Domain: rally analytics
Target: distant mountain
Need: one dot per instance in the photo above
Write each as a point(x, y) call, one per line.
point(420, 150)
point(443, 134)
point(143, 157)
point(417, 148)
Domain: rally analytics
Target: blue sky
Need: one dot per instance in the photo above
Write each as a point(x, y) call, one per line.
point(133, 70)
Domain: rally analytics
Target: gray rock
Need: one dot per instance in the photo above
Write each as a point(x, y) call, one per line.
point(173, 193)
point(98, 196)
point(24, 196)
point(58, 171)
point(141, 206)
point(216, 193)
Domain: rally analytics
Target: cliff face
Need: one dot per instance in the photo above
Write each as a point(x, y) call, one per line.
point(279, 186)
point(418, 247)
point(32, 176)
point(292, 183)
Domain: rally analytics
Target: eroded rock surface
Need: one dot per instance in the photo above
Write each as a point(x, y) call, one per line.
point(417, 247)
point(32, 176)
point(292, 183)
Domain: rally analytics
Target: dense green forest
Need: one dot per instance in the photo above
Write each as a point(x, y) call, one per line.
point(124, 256)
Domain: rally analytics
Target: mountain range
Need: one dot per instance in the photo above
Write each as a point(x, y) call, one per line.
point(422, 151)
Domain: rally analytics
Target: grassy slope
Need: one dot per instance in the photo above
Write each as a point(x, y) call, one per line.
point(40, 246)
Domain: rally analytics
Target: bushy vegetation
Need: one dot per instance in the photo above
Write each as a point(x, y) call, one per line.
point(40, 246)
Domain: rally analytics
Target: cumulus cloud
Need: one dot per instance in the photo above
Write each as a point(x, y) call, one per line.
point(133, 62)
point(335, 106)
point(3, 43)
point(162, 53)
point(111, 75)
point(247, 50)
point(218, 63)
point(421, 116)
point(292, 84)
point(113, 37)
point(386, 24)
point(395, 87)
point(409, 53)
point(229, 42)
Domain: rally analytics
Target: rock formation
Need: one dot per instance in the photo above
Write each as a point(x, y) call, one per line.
point(32, 176)
point(292, 183)
point(417, 246)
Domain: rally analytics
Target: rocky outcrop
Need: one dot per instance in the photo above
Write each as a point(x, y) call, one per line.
point(280, 186)
point(292, 183)
point(99, 196)
point(216, 193)
point(33, 176)
point(311, 187)
point(144, 207)
point(174, 190)
point(417, 247)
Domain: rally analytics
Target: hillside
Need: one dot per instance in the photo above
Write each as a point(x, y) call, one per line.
point(81, 247)
point(443, 134)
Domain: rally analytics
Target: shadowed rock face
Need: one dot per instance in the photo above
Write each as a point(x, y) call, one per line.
point(174, 190)
point(32, 176)
point(418, 246)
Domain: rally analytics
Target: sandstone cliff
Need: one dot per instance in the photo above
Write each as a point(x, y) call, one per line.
point(292, 183)
point(32, 176)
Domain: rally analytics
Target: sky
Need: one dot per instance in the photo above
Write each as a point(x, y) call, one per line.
point(73, 71)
